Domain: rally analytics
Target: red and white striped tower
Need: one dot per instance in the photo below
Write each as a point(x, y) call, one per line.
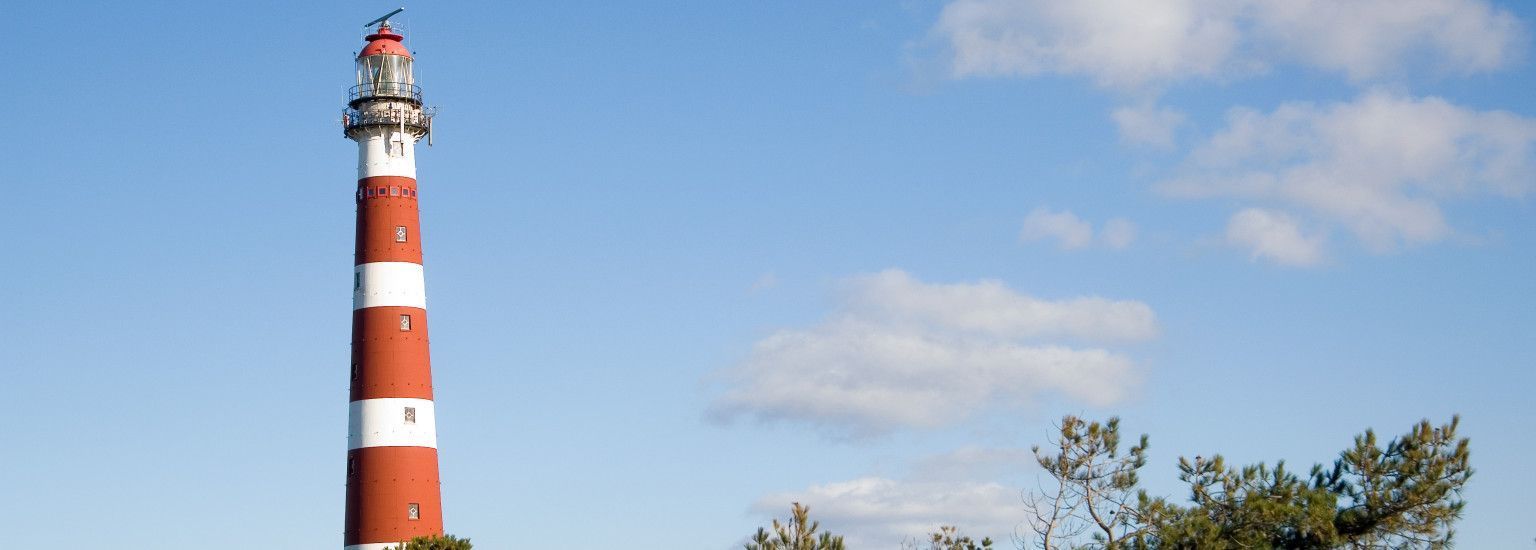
point(393, 493)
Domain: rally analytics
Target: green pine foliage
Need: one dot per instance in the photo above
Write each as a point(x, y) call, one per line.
point(799, 533)
point(1404, 495)
point(948, 537)
point(443, 542)
point(1093, 489)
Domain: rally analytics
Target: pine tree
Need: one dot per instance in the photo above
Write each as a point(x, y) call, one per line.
point(1094, 486)
point(799, 533)
point(1405, 495)
point(435, 542)
point(948, 537)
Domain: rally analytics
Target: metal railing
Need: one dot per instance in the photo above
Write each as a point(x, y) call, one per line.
point(416, 121)
point(384, 90)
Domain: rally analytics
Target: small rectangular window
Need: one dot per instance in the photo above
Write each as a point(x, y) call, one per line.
point(410, 415)
point(394, 191)
point(351, 466)
point(400, 234)
point(383, 191)
point(413, 511)
point(357, 280)
point(355, 371)
point(370, 192)
point(405, 323)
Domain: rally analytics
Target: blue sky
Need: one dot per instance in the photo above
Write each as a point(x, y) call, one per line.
point(689, 262)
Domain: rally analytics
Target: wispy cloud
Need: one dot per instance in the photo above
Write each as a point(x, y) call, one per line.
point(881, 512)
point(1118, 233)
point(1070, 232)
point(1142, 45)
point(1378, 166)
point(766, 281)
point(1369, 39)
point(1064, 227)
point(902, 353)
point(1273, 236)
point(1124, 44)
point(1148, 124)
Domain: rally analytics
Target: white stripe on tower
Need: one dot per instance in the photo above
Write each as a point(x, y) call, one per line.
point(374, 156)
point(392, 422)
point(377, 284)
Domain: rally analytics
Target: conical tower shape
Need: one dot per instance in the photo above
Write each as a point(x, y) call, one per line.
point(393, 492)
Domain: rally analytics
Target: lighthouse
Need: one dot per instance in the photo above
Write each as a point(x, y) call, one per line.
point(393, 492)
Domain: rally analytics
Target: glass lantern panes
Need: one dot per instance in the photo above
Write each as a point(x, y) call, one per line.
point(384, 76)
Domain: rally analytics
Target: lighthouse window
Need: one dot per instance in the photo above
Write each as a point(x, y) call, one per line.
point(394, 191)
point(413, 511)
point(354, 371)
point(351, 466)
point(357, 280)
point(405, 323)
point(370, 192)
point(383, 190)
point(399, 233)
point(410, 415)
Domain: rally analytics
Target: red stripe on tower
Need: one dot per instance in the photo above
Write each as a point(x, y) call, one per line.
point(393, 492)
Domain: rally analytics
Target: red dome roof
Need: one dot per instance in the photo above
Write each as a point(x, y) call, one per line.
point(384, 42)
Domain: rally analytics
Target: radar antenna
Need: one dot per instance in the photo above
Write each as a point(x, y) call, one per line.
point(384, 19)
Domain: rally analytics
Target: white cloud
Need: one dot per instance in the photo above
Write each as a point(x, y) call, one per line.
point(1126, 44)
point(1066, 228)
point(1378, 166)
point(876, 512)
point(903, 353)
point(1148, 124)
point(1118, 233)
point(1365, 39)
point(989, 308)
point(1140, 45)
point(1273, 236)
point(765, 282)
point(960, 488)
point(1071, 232)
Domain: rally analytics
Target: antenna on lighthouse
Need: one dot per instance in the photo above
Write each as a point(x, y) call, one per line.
point(384, 19)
